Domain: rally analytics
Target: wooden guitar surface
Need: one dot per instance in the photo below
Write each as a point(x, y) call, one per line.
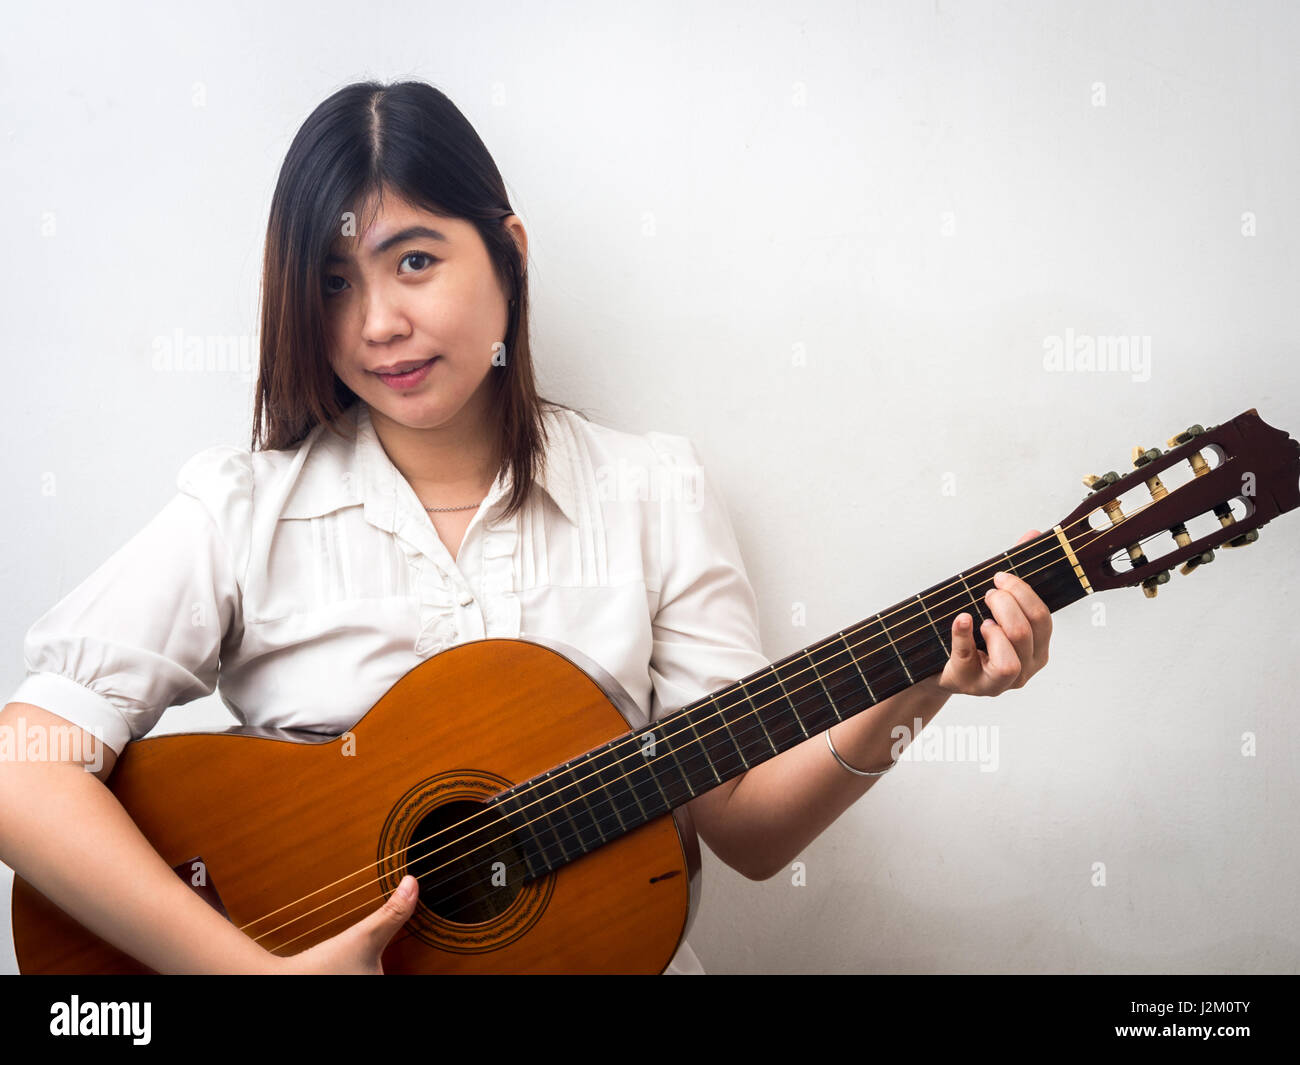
point(301, 839)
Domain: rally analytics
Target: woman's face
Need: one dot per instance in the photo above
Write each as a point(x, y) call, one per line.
point(411, 288)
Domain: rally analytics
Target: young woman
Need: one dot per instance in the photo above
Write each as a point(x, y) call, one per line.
point(408, 490)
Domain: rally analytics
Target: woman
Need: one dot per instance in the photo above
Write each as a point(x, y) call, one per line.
point(408, 490)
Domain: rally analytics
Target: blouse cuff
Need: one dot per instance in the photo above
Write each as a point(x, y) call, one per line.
point(76, 703)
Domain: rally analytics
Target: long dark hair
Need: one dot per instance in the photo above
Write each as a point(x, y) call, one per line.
point(408, 139)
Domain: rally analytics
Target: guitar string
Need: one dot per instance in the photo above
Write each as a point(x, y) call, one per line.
point(489, 814)
point(577, 781)
point(1021, 551)
point(573, 835)
point(599, 820)
point(576, 833)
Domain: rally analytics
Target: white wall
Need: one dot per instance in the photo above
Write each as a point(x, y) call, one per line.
point(830, 243)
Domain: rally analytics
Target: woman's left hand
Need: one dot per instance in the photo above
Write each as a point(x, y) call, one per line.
point(1016, 639)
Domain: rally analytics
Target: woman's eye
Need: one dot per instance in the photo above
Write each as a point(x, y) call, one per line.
point(419, 255)
point(428, 260)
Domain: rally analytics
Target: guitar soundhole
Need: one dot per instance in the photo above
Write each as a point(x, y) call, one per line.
point(475, 895)
point(468, 866)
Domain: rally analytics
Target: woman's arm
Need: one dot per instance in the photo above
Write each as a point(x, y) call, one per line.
point(760, 821)
point(66, 834)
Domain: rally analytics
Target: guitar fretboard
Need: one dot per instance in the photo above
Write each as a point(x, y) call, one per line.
point(603, 794)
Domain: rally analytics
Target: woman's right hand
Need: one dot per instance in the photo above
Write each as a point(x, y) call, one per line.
point(357, 950)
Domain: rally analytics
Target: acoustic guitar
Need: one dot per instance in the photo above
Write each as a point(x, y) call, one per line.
point(541, 814)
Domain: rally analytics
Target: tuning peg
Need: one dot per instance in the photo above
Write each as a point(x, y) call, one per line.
point(1116, 515)
point(1182, 538)
point(1150, 585)
point(1244, 539)
point(1224, 513)
point(1141, 457)
point(1098, 483)
point(1185, 435)
point(1196, 560)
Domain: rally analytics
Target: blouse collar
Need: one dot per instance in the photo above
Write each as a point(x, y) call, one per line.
point(340, 472)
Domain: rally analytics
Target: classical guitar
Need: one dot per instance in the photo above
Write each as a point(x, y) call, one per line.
point(546, 836)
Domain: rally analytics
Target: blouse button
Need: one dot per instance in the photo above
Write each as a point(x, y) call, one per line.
point(466, 597)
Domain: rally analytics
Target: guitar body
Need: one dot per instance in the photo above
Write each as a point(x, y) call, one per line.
point(301, 835)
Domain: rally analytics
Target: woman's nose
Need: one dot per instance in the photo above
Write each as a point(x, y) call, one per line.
point(384, 319)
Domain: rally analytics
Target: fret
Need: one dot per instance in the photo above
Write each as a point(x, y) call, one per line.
point(830, 698)
point(922, 639)
point(974, 603)
point(577, 811)
point(551, 808)
point(650, 752)
point(724, 753)
point(781, 743)
point(671, 777)
point(703, 749)
point(758, 715)
point(521, 832)
point(534, 809)
point(1053, 575)
point(583, 790)
point(935, 627)
point(599, 762)
point(676, 772)
point(1011, 565)
point(859, 666)
point(586, 834)
point(673, 733)
point(723, 709)
point(794, 707)
point(885, 629)
point(640, 776)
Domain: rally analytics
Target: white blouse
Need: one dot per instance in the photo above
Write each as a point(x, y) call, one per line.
point(303, 584)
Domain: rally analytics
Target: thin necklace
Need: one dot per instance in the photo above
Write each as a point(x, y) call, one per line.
point(465, 507)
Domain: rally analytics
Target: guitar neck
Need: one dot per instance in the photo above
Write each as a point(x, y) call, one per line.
point(607, 792)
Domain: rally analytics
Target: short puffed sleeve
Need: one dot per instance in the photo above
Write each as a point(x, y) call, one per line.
point(705, 631)
point(146, 630)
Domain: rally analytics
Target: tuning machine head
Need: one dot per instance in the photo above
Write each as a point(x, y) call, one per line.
point(1151, 585)
point(1096, 484)
point(1186, 435)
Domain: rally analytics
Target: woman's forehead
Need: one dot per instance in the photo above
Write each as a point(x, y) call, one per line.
point(373, 227)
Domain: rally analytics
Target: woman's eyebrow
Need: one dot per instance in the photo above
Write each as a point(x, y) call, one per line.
point(409, 233)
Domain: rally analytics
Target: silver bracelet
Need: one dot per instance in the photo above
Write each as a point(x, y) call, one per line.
point(856, 772)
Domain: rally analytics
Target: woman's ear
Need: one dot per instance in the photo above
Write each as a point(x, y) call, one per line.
point(516, 227)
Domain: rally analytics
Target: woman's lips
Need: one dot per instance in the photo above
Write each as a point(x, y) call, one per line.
point(408, 379)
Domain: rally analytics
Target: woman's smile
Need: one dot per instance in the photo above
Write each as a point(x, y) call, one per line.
point(410, 373)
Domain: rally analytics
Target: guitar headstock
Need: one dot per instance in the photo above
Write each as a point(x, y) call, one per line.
point(1224, 483)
